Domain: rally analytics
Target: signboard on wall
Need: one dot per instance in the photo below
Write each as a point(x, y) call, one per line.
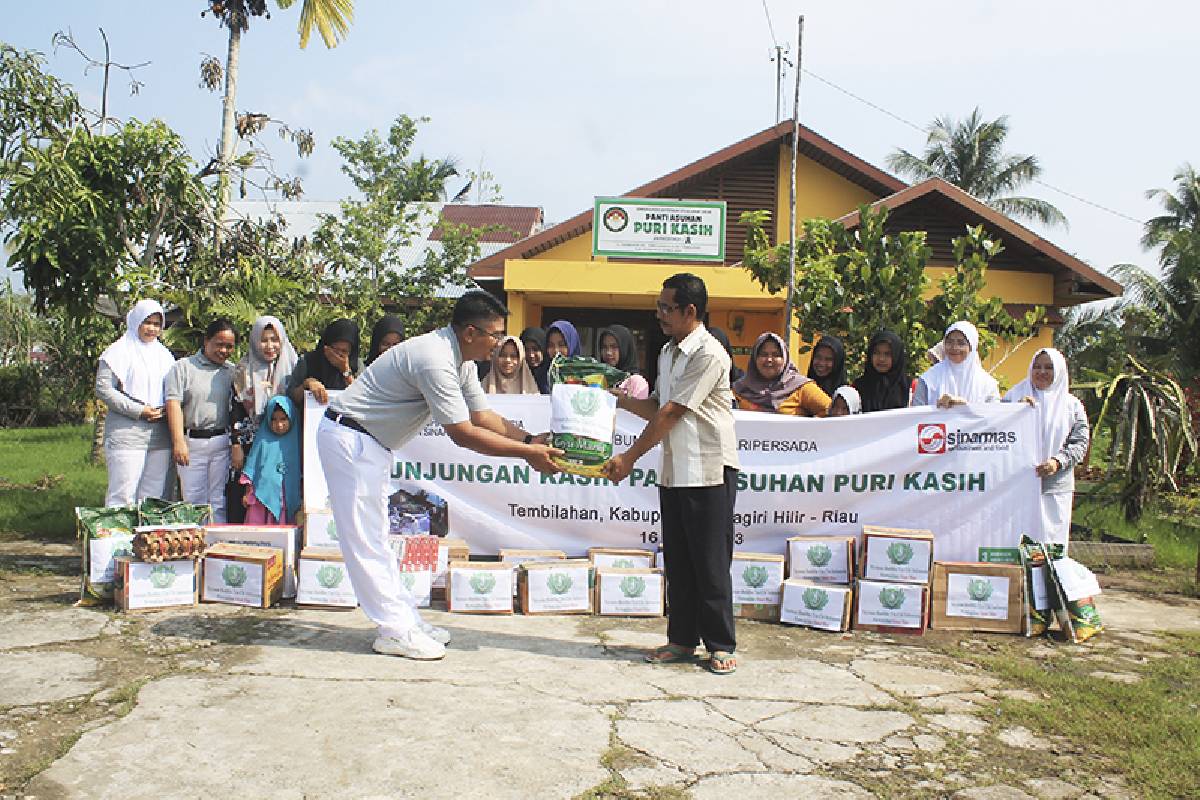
point(684, 230)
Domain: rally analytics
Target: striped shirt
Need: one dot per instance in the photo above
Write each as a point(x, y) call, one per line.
point(695, 374)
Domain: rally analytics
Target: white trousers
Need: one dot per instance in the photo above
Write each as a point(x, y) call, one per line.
point(356, 472)
point(1056, 517)
point(203, 479)
point(134, 475)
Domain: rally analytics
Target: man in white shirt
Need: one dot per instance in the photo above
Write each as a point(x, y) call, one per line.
point(690, 412)
point(432, 376)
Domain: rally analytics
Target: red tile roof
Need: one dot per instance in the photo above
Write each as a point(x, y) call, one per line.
point(513, 223)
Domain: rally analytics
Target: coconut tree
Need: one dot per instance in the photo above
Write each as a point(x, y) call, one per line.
point(332, 20)
point(970, 154)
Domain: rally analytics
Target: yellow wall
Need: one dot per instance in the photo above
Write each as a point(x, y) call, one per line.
point(820, 192)
point(1034, 288)
point(577, 249)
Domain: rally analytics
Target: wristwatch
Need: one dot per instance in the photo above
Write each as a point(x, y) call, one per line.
point(346, 374)
point(528, 438)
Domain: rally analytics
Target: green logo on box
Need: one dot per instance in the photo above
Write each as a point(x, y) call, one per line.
point(234, 575)
point(559, 583)
point(900, 552)
point(755, 576)
point(162, 576)
point(891, 597)
point(980, 589)
point(483, 582)
point(633, 586)
point(330, 576)
point(819, 555)
point(815, 599)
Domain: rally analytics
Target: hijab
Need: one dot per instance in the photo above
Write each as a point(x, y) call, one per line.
point(537, 338)
point(968, 380)
point(388, 323)
point(837, 376)
point(769, 394)
point(735, 372)
point(140, 367)
point(520, 383)
point(319, 368)
point(255, 377)
point(881, 391)
point(569, 333)
point(1055, 405)
point(273, 465)
point(628, 360)
point(850, 397)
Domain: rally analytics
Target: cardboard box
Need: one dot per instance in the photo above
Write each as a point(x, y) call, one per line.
point(480, 587)
point(448, 550)
point(516, 557)
point(826, 559)
point(243, 575)
point(555, 587)
point(630, 592)
point(757, 585)
point(143, 586)
point(620, 558)
point(285, 537)
point(322, 580)
point(891, 607)
point(418, 583)
point(978, 597)
point(319, 529)
point(896, 554)
point(823, 606)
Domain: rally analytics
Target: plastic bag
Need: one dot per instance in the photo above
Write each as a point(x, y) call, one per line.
point(583, 415)
point(154, 511)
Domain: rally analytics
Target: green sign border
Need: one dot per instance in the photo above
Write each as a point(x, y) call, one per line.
point(596, 251)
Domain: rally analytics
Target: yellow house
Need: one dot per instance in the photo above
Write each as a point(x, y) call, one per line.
point(553, 274)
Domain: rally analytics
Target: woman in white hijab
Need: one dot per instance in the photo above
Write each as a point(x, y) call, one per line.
point(259, 376)
point(960, 377)
point(846, 402)
point(129, 380)
point(1064, 435)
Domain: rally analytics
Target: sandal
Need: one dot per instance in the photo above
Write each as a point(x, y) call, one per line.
point(671, 654)
point(721, 662)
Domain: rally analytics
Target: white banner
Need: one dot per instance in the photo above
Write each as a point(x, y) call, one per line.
point(965, 474)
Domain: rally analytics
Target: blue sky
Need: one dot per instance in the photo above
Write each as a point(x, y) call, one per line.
point(563, 100)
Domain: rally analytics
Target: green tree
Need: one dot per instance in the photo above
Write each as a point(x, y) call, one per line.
point(367, 248)
point(970, 154)
point(332, 20)
point(1170, 304)
point(852, 283)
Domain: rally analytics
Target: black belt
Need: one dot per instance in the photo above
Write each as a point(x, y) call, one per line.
point(204, 433)
point(351, 423)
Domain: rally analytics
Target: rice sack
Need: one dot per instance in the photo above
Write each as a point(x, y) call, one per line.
point(583, 415)
point(104, 533)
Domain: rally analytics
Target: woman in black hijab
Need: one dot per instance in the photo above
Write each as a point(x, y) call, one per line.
point(828, 364)
point(333, 364)
point(616, 347)
point(534, 340)
point(884, 383)
point(386, 334)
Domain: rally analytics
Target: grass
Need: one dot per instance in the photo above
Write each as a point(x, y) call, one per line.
point(40, 506)
point(1149, 731)
point(1175, 545)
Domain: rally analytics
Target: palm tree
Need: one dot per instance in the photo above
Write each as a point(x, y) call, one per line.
point(1172, 301)
point(332, 20)
point(970, 155)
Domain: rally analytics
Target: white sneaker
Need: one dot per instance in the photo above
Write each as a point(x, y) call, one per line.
point(439, 635)
point(414, 644)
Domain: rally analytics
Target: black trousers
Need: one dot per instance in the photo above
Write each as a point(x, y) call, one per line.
point(697, 552)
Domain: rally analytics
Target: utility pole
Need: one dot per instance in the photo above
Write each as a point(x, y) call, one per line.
point(791, 293)
point(782, 62)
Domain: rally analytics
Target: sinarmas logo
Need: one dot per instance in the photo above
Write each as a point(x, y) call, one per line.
point(931, 438)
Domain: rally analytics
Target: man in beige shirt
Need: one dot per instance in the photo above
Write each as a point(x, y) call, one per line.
point(690, 412)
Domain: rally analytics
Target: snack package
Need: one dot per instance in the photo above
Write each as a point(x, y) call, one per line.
point(154, 511)
point(583, 415)
point(104, 533)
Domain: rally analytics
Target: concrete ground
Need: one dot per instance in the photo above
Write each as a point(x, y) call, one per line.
point(292, 703)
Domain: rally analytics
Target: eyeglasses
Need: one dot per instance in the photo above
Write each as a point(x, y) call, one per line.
point(496, 335)
point(770, 356)
point(664, 308)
